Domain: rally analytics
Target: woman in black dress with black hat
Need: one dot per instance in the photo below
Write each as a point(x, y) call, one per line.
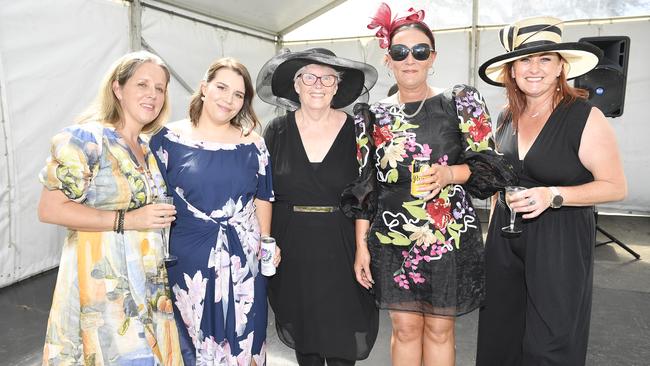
point(320, 310)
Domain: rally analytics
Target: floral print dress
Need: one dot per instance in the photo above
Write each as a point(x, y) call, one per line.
point(426, 256)
point(111, 303)
point(219, 293)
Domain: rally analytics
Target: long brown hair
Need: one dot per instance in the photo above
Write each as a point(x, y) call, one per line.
point(517, 100)
point(246, 119)
point(107, 109)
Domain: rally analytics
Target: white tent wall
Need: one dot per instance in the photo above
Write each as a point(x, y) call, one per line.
point(189, 47)
point(49, 74)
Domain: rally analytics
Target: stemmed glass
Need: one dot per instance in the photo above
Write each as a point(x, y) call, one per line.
point(168, 258)
point(511, 190)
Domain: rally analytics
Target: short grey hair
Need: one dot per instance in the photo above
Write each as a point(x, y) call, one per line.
point(302, 70)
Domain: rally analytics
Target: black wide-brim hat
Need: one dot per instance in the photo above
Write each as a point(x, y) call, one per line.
point(275, 84)
point(534, 36)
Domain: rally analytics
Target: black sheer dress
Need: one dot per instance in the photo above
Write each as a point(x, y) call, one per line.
point(319, 307)
point(425, 256)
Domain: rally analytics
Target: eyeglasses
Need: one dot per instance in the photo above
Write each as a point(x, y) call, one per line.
point(420, 52)
point(311, 79)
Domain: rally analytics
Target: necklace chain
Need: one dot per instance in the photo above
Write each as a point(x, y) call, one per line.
point(539, 111)
point(419, 107)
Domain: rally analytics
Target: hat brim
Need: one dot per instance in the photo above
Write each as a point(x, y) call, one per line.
point(275, 83)
point(581, 57)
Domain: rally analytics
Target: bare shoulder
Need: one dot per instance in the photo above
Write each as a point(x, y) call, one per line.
point(340, 116)
point(252, 137)
point(597, 123)
point(598, 135)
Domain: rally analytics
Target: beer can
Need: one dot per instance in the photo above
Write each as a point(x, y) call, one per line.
point(268, 253)
point(419, 165)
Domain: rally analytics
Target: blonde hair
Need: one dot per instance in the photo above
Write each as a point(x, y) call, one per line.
point(106, 107)
point(246, 119)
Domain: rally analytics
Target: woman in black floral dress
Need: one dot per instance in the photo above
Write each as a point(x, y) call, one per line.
point(423, 257)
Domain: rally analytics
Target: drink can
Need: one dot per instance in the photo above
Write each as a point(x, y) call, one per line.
point(268, 253)
point(418, 165)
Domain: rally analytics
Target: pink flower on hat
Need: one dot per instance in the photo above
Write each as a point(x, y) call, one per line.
point(382, 20)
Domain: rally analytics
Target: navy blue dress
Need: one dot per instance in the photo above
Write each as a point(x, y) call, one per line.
point(219, 294)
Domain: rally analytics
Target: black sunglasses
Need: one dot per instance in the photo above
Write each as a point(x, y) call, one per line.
point(420, 52)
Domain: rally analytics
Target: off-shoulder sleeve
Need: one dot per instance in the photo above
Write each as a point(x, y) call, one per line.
point(264, 176)
point(490, 171)
point(359, 199)
point(74, 160)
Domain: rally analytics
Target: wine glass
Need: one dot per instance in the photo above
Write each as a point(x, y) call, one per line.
point(511, 190)
point(168, 258)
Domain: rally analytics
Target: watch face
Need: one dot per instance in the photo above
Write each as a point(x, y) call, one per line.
point(557, 201)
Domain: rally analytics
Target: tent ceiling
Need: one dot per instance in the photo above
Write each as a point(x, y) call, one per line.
point(273, 17)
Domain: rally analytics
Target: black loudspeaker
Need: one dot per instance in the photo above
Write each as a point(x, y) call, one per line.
point(606, 82)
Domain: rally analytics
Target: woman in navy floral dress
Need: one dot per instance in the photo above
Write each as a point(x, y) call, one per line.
point(423, 257)
point(218, 171)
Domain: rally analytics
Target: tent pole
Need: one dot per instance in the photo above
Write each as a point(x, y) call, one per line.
point(8, 154)
point(473, 45)
point(173, 72)
point(279, 44)
point(135, 25)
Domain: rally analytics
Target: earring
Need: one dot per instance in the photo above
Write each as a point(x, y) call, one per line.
point(431, 71)
point(390, 74)
point(203, 98)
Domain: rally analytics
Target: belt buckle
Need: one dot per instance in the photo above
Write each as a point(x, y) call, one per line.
point(321, 209)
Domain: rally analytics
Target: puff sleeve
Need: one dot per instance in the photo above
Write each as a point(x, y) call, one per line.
point(359, 199)
point(74, 160)
point(490, 171)
point(264, 173)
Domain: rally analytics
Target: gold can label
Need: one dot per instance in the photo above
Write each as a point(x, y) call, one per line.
point(417, 167)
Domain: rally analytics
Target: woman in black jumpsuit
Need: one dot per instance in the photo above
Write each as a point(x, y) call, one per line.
point(539, 283)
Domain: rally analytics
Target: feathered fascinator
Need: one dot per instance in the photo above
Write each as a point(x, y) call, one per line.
point(382, 20)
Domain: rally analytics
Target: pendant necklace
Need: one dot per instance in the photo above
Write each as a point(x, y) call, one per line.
point(417, 110)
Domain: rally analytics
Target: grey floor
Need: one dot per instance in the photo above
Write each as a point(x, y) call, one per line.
point(620, 330)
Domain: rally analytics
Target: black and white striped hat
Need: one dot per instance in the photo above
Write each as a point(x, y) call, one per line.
point(539, 35)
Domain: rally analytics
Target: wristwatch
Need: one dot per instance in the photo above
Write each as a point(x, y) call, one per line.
point(557, 199)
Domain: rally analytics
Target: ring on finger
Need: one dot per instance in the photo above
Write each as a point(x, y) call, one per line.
point(531, 202)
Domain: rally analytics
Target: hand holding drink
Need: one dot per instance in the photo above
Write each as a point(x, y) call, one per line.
point(418, 167)
point(510, 192)
point(427, 180)
point(268, 256)
point(168, 200)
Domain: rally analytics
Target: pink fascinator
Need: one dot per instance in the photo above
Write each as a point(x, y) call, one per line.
point(386, 25)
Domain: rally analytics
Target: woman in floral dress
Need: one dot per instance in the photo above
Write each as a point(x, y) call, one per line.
point(423, 257)
point(218, 171)
point(111, 304)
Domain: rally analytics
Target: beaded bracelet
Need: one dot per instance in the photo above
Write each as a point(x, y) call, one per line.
point(120, 223)
point(115, 220)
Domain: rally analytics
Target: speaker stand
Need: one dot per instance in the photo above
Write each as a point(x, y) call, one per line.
point(612, 238)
